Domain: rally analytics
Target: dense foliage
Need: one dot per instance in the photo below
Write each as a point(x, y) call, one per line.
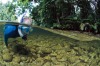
point(7, 11)
point(67, 14)
point(63, 14)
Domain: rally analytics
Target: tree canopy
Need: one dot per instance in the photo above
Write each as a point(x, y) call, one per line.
point(60, 12)
point(61, 9)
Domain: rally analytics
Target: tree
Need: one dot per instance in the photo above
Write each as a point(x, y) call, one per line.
point(7, 11)
point(98, 10)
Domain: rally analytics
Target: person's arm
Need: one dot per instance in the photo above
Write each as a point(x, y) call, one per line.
point(24, 37)
point(20, 31)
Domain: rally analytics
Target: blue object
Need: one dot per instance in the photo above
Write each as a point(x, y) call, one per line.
point(10, 31)
point(14, 31)
point(23, 30)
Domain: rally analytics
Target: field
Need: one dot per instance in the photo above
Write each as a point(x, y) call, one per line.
point(49, 47)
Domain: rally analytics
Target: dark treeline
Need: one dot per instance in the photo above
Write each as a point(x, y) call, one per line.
point(68, 14)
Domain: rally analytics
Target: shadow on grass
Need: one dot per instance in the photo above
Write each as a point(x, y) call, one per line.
point(21, 49)
point(25, 51)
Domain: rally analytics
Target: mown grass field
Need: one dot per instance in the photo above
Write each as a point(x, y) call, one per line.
point(48, 47)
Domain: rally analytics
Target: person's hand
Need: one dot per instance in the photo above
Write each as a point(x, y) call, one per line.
point(24, 37)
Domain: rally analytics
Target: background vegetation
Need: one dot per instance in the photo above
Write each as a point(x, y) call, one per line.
point(53, 47)
point(61, 14)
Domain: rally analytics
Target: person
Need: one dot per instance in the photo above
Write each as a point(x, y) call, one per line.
point(14, 31)
point(24, 30)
